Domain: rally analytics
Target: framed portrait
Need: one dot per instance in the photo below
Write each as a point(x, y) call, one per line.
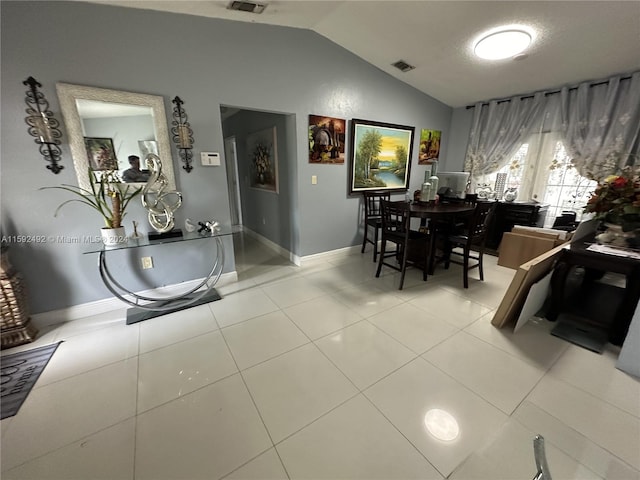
point(326, 139)
point(380, 157)
point(263, 160)
point(429, 146)
point(101, 154)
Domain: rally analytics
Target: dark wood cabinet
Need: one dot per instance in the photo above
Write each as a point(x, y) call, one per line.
point(509, 214)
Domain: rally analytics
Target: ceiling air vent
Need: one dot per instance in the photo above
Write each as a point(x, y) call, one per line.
point(402, 65)
point(250, 7)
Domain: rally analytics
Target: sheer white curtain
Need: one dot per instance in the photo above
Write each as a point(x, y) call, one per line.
point(497, 131)
point(600, 125)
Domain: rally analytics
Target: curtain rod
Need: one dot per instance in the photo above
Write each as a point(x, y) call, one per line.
point(552, 92)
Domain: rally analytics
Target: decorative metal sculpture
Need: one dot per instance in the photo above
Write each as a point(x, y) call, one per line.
point(160, 203)
point(43, 125)
point(211, 226)
point(182, 134)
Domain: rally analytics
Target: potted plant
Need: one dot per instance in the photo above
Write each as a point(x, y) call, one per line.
point(109, 197)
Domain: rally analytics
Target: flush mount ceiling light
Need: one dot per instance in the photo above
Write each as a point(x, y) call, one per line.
point(503, 43)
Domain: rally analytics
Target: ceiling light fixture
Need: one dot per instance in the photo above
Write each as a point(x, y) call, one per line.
point(503, 43)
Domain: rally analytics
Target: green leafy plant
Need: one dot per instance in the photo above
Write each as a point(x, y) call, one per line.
point(108, 196)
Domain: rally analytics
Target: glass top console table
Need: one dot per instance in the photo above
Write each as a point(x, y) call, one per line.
point(146, 307)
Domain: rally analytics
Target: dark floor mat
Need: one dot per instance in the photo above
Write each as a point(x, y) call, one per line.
point(19, 372)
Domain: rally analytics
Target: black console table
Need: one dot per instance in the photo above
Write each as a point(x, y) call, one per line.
point(509, 214)
point(145, 308)
point(594, 308)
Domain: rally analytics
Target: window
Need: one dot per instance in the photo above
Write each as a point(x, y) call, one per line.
point(541, 170)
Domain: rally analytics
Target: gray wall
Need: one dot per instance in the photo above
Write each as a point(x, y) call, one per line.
point(459, 132)
point(207, 62)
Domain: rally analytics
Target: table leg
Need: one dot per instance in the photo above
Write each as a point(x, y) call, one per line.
point(625, 312)
point(558, 281)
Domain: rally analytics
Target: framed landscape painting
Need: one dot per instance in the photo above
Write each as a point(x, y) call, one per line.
point(429, 146)
point(263, 158)
point(380, 157)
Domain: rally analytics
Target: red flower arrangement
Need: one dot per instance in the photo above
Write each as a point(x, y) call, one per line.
point(617, 199)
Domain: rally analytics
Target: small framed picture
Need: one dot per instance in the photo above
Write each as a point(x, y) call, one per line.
point(263, 159)
point(429, 146)
point(326, 140)
point(101, 153)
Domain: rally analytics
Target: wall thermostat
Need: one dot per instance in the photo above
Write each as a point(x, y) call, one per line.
point(210, 159)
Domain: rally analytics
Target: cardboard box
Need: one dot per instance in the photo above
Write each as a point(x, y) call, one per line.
point(522, 244)
point(528, 273)
point(561, 235)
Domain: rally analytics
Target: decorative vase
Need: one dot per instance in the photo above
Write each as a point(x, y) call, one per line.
point(615, 236)
point(113, 236)
point(483, 190)
point(510, 194)
point(15, 320)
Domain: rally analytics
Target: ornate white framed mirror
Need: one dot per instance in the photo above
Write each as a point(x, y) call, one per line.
point(105, 127)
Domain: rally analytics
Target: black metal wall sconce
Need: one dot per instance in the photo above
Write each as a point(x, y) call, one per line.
point(182, 134)
point(42, 125)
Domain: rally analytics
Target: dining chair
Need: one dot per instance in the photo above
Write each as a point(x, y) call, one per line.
point(471, 238)
point(373, 218)
point(411, 246)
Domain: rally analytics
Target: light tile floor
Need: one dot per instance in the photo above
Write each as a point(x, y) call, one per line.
point(324, 371)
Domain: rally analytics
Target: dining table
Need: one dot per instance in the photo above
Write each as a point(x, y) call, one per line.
point(443, 213)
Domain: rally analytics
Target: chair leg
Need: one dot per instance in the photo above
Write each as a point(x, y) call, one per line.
point(426, 266)
point(480, 269)
point(364, 242)
point(375, 245)
point(403, 266)
point(466, 268)
point(381, 259)
point(447, 254)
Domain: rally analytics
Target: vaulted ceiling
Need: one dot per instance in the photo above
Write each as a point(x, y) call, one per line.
point(575, 40)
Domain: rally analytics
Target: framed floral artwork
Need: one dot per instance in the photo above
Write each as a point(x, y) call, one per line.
point(263, 158)
point(429, 146)
point(101, 154)
point(380, 157)
point(326, 139)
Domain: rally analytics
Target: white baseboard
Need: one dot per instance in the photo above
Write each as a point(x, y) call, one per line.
point(283, 252)
point(83, 310)
point(339, 252)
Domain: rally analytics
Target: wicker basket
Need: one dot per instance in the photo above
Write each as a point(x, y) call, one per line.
point(16, 324)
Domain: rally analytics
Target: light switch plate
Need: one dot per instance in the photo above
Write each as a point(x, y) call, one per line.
point(210, 159)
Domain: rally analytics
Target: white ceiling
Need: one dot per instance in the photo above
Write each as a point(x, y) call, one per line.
point(576, 40)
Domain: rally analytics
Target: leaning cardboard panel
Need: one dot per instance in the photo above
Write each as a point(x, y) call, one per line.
point(528, 273)
point(516, 248)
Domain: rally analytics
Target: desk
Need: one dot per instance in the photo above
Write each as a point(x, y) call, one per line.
point(577, 254)
point(145, 307)
point(442, 212)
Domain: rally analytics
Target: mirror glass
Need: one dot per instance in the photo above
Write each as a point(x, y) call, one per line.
point(105, 127)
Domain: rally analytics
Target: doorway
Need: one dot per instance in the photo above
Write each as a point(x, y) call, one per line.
point(231, 160)
point(267, 213)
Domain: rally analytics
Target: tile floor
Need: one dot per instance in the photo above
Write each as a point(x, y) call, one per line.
point(324, 371)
